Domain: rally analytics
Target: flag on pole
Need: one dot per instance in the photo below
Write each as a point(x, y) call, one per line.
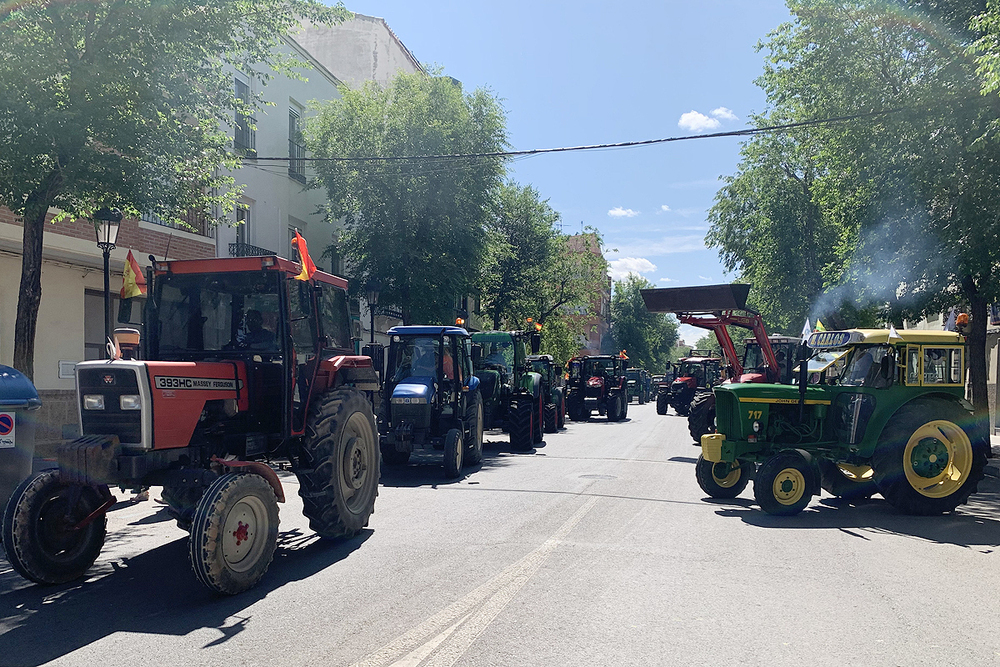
point(308, 268)
point(950, 324)
point(819, 325)
point(133, 281)
point(893, 334)
point(806, 330)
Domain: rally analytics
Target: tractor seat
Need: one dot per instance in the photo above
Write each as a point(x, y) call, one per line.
point(488, 382)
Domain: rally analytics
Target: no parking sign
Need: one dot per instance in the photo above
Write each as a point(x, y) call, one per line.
point(6, 430)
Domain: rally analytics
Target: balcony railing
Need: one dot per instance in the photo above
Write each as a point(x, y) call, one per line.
point(245, 138)
point(247, 250)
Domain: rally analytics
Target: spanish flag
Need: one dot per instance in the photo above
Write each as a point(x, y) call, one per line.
point(133, 281)
point(308, 268)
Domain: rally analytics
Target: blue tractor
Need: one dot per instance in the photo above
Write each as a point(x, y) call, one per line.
point(433, 399)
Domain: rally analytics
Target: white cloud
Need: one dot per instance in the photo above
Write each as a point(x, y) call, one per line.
point(697, 122)
point(709, 278)
point(722, 113)
point(666, 245)
point(667, 280)
point(620, 269)
point(619, 212)
point(663, 209)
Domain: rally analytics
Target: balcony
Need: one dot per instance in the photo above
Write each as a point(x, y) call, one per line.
point(247, 250)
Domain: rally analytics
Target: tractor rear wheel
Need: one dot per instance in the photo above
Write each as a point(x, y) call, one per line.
point(661, 404)
point(723, 480)
point(850, 483)
point(338, 468)
point(925, 462)
point(454, 449)
point(551, 418)
point(234, 533)
point(474, 422)
point(561, 411)
point(616, 410)
point(539, 419)
point(521, 424)
point(38, 534)
point(701, 419)
point(783, 484)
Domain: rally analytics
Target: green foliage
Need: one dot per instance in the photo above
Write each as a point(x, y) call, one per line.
point(418, 226)
point(648, 338)
point(559, 338)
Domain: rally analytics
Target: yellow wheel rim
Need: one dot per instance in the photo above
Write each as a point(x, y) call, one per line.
point(937, 459)
point(789, 486)
point(729, 479)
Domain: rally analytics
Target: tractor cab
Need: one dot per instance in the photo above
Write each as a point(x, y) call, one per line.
point(694, 374)
point(755, 366)
point(432, 395)
point(553, 393)
point(598, 382)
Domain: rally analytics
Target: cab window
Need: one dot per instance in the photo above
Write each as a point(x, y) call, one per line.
point(942, 365)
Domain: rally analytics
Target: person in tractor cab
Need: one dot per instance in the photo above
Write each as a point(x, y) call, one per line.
point(256, 336)
point(449, 365)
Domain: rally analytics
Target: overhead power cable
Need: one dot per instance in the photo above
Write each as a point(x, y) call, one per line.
point(566, 149)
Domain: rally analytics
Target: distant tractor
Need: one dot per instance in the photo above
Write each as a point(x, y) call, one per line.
point(696, 375)
point(554, 415)
point(636, 385)
point(243, 365)
point(511, 391)
point(432, 397)
point(597, 383)
point(893, 420)
point(661, 388)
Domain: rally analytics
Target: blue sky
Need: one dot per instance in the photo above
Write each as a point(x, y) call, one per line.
point(596, 72)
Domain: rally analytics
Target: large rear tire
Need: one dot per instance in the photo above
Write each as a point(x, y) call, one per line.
point(701, 419)
point(539, 420)
point(925, 461)
point(723, 480)
point(551, 418)
point(338, 468)
point(474, 422)
point(661, 404)
point(561, 411)
point(234, 533)
point(37, 529)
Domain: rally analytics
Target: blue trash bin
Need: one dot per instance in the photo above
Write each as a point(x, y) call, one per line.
point(18, 397)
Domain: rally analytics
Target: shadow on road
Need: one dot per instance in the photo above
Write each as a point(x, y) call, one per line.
point(425, 468)
point(976, 525)
point(153, 592)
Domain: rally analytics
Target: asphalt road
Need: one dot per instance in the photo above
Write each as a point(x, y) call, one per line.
point(598, 549)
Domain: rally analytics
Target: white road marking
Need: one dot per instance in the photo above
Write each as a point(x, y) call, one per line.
point(443, 638)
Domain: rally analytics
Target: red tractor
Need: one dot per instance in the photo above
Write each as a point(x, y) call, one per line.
point(243, 364)
point(715, 307)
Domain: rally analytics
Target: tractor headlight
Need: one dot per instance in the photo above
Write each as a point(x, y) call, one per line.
point(129, 402)
point(93, 402)
point(756, 427)
point(407, 400)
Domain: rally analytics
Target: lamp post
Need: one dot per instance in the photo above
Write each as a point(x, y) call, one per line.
point(371, 294)
point(106, 223)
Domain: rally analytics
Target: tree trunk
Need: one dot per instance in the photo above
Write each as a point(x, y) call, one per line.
point(977, 347)
point(30, 294)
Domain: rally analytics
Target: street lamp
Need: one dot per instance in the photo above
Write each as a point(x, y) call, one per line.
point(106, 223)
point(371, 294)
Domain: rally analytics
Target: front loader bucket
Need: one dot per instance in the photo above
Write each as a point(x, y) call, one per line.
point(703, 299)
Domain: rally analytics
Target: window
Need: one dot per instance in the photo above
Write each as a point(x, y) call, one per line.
point(94, 344)
point(943, 365)
point(243, 223)
point(913, 366)
point(296, 149)
point(245, 137)
point(335, 318)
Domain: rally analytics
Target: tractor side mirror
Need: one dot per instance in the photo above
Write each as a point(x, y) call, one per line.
point(886, 372)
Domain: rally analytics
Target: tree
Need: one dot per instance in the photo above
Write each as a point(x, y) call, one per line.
point(418, 225)
point(646, 337)
point(914, 192)
point(523, 248)
point(123, 105)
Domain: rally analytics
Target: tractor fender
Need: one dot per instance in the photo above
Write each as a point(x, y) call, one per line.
point(982, 425)
point(532, 383)
point(473, 383)
point(346, 369)
point(257, 468)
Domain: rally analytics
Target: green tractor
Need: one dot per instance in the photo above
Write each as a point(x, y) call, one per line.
point(511, 391)
point(892, 420)
point(637, 385)
point(553, 393)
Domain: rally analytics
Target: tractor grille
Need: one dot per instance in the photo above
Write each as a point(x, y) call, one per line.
point(418, 415)
point(112, 383)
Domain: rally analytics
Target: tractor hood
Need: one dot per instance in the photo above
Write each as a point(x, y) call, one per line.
point(414, 390)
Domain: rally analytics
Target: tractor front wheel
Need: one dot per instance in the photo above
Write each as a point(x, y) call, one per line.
point(783, 484)
point(701, 419)
point(474, 422)
point(723, 480)
point(661, 404)
point(338, 468)
point(39, 529)
point(234, 533)
point(454, 448)
point(925, 462)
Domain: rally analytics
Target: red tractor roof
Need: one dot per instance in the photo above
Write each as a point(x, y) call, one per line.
point(239, 264)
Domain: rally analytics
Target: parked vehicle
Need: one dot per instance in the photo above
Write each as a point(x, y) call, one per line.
point(895, 421)
point(511, 391)
point(554, 410)
point(597, 383)
point(433, 398)
point(243, 365)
